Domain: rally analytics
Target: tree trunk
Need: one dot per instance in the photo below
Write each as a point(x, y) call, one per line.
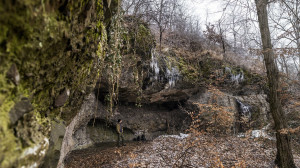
point(298, 47)
point(222, 40)
point(160, 23)
point(160, 38)
point(284, 157)
point(297, 35)
point(286, 66)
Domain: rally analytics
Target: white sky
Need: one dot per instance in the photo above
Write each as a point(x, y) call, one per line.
point(206, 10)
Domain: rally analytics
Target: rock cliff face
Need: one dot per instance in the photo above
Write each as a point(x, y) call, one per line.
point(167, 95)
point(48, 64)
point(70, 142)
point(253, 108)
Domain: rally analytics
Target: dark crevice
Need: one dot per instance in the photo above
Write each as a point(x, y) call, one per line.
point(105, 124)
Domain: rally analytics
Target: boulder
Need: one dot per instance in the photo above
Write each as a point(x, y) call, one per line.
point(259, 109)
point(257, 115)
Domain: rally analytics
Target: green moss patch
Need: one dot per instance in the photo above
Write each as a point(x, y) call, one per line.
point(54, 46)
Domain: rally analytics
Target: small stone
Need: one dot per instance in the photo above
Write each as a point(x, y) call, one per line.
point(20, 108)
point(62, 98)
point(13, 74)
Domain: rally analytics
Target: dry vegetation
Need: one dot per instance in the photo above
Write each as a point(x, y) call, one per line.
point(205, 150)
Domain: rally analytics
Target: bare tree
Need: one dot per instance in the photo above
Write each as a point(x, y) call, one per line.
point(158, 11)
point(293, 9)
point(284, 157)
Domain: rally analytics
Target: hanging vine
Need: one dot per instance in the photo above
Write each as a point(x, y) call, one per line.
point(100, 61)
point(113, 61)
point(138, 78)
point(140, 50)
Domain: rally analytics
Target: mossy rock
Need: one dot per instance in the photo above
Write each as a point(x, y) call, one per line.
point(54, 45)
point(139, 37)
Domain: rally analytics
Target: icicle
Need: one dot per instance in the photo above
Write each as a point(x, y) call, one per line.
point(154, 64)
point(172, 74)
point(246, 110)
point(237, 78)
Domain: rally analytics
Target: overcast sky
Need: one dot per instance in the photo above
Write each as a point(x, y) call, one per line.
point(205, 10)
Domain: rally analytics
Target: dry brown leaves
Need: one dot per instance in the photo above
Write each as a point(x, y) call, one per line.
point(175, 151)
point(204, 151)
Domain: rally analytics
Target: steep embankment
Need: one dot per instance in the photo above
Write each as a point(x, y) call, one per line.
point(49, 52)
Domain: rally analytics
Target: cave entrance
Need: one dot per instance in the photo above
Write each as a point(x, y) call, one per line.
point(100, 131)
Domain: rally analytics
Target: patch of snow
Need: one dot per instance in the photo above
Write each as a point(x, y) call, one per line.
point(241, 135)
point(261, 134)
point(183, 135)
point(34, 165)
point(180, 136)
point(31, 151)
point(34, 150)
point(46, 143)
point(258, 133)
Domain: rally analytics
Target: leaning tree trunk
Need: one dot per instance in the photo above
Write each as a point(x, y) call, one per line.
point(284, 157)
